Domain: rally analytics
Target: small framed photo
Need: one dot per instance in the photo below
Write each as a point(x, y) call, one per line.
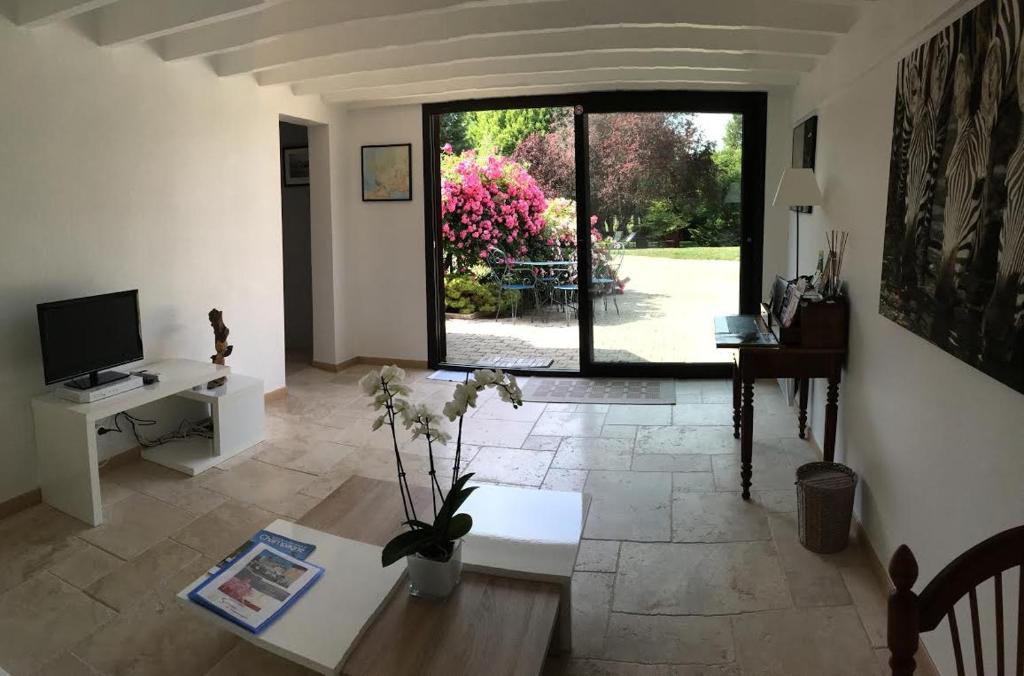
point(387, 173)
point(296, 166)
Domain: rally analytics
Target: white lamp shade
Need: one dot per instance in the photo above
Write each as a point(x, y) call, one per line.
point(798, 188)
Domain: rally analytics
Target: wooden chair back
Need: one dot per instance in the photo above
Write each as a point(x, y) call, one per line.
point(912, 614)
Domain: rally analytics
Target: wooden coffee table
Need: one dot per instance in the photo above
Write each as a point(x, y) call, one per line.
point(512, 605)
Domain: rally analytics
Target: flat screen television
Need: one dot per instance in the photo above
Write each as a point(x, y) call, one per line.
point(82, 337)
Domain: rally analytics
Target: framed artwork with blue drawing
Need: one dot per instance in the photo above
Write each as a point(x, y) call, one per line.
point(387, 173)
point(953, 253)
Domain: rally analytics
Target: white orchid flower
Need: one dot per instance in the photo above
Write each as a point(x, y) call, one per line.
point(370, 384)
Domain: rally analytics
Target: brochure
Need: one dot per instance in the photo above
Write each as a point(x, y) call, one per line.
point(300, 550)
point(257, 586)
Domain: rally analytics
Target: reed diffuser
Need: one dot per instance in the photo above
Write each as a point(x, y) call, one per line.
point(832, 281)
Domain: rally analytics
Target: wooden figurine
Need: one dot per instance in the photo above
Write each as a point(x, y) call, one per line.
point(220, 344)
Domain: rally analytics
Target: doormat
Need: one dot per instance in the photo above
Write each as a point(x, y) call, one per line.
point(600, 391)
point(497, 361)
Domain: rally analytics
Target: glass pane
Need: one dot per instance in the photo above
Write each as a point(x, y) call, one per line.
point(508, 238)
point(665, 202)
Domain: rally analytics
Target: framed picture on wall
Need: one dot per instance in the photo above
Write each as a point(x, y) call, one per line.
point(296, 166)
point(387, 173)
point(805, 144)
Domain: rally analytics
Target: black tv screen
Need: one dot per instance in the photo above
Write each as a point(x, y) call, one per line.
point(86, 335)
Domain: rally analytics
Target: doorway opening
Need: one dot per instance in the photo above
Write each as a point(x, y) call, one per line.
point(296, 247)
point(629, 223)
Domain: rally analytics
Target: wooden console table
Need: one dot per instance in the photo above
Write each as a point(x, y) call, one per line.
point(762, 355)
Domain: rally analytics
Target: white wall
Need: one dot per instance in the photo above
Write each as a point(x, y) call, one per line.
point(937, 444)
point(121, 171)
point(385, 241)
point(386, 303)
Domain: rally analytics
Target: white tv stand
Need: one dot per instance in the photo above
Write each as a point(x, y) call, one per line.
point(66, 431)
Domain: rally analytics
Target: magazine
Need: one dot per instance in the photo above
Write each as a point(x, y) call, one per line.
point(257, 587)
point(300, 550)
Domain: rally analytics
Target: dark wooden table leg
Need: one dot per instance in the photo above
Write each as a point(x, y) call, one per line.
point(831, 417)
point(736, 417)
point(804, 385)
point(747, 436)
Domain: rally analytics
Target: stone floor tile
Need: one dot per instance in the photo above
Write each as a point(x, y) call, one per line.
point(565, 480)
point(563, 666)
point(315, 458)
point(510, 465)
point(570, 424)
point(111, 492)
point(598, 556)
point(619, 431)
point(646, 462)
point(593, 453)
point(167, 485)
point(668, 639)
point(629, 506)
point(260, 484)
point(591, 606)
point(125, 586)
point(34, 539)
point(686, 439)
point(219, 532)
point(245, 659)
point(66, 665)
point(504, 433)
point(699, 579)
point(541, 443)
point(85, 564)
point(774, 466)
point(814, 579)
point(496, 409)
point(41, 618)
point(870, 598)
point(804, 641)
point(691, 482)
point(555, 407)
point(639, 414)
point(164, 638)
point(717, 517)
point(135, 524)
point(703, 414)
point(781, 500)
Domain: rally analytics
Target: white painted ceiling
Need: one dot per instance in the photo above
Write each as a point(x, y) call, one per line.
point(375, 52)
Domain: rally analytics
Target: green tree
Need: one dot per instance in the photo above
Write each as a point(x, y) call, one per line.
point(501, 131)
point(453, 131)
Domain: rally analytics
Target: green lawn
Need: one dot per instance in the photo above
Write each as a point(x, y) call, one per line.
point(691, 253)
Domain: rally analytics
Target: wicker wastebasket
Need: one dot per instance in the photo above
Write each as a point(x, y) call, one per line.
point(824, 492)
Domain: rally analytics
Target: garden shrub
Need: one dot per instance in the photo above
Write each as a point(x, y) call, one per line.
point(465, 295)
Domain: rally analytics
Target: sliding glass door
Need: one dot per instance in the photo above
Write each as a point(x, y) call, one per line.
point(623, 229)
point(665, 203)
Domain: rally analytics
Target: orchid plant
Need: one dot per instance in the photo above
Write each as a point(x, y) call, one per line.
point(434, 540)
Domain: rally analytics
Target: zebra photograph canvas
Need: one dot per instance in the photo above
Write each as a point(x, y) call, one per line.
point(953, 255)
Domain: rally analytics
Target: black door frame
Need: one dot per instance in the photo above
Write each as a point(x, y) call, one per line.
point(753, 106)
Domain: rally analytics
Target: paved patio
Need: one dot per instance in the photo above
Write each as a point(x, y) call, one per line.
point(665, 315)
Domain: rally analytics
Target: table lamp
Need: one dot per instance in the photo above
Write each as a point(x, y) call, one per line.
point(797, 188)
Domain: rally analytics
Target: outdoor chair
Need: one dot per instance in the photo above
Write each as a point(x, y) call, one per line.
point(512, 279)
point(911, 614)
point(567, 290)
point(604, 282)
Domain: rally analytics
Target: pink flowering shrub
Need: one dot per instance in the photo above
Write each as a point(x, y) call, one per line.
point(486, 204)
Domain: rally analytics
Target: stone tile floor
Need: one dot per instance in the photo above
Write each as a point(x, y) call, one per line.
point(676, 575)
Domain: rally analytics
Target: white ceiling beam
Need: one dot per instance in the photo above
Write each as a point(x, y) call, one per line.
point(672, 62)
point(595, 77)
point(535, 90)
point(291, 17)
point(764, 48)
point(541, 17)
point(137, 20)
point(32, 13)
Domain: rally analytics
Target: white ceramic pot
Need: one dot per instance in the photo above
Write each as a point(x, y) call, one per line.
point(434, 579)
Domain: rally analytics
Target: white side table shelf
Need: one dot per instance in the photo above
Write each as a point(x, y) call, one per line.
point(66, 432)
